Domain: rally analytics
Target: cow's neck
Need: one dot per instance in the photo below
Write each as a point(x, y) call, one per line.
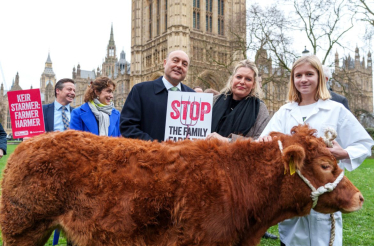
point(264, 188)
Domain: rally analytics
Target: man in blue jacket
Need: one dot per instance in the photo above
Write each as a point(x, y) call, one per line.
point(144, 114)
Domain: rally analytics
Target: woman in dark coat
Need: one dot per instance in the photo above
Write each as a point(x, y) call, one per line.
point(238, 111)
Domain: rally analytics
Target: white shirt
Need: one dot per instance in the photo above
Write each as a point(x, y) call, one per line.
point(306, 110)
point(168, 85)
point(314, 229)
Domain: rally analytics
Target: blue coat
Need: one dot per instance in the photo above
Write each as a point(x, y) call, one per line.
point(49, 116)
point(144, 114)
point(83, 119)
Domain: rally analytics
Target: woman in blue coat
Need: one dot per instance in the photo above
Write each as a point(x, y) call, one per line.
point(98, 114)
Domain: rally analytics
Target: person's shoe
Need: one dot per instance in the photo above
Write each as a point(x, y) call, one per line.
point(268, 235)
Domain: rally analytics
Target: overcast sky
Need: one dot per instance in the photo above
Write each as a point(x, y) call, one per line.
point(73, 32)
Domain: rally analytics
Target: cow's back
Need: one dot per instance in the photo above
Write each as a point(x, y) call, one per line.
point(79, 179)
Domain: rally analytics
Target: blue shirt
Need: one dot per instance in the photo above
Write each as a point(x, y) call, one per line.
point(58, 124)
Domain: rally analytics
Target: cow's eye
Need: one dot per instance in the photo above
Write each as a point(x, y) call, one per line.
point(325, 166)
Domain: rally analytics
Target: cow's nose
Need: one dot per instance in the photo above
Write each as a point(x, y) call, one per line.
point(361, 198)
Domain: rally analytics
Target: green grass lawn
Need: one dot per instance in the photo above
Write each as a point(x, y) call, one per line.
point(357, 227)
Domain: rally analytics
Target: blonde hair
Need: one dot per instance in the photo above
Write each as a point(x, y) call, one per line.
point(322, 91)
point(256, 90)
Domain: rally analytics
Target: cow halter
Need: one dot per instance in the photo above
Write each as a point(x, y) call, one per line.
point(321, 190)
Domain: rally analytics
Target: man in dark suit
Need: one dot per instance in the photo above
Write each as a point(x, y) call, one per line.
point(55, 118)
point(144, 114)
point(334, 96)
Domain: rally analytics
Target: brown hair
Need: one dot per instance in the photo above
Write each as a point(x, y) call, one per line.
point(322, 91)
point(97, 85)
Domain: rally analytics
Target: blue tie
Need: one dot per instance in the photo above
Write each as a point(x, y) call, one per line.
point(65, 119)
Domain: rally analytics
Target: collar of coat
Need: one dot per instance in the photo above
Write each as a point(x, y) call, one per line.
point(321, 104)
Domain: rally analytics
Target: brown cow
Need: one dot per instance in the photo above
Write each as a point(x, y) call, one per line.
point(117, 191)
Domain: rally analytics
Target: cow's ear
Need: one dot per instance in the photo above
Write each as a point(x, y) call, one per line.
point(293, 158)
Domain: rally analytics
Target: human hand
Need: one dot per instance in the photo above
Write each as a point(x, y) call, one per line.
point(1, 153)
point(215, 135)
point(264, 139)
point(338, 152)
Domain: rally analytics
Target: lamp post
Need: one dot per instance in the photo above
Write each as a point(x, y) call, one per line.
point(305, 52)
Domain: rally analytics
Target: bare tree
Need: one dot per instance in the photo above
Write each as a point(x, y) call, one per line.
point(324, 22)
point(365, 8)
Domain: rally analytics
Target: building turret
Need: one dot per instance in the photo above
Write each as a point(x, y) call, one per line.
point(15, 85)
point(363, 63)
point(98, 72)
point(79, 71)
point(108, 67)
point(74, 73)
point(357, 58)
point(111, 49)
point(48, 76)
point(2, 92)
point(369, 63)
point(17, 79)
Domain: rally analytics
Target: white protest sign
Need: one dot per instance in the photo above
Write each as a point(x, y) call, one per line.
point(189, 115)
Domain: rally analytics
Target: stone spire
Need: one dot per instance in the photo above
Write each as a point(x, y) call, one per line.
point(111, 40)
point(111, 48)
point(17, 79)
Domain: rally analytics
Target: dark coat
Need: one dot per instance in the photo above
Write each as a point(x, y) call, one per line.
point(339, 98)
point(144, 114)
point(49, 116)
point(83, 119)
point(2, 139)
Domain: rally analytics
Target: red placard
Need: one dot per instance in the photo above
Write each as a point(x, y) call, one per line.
point(26, 113)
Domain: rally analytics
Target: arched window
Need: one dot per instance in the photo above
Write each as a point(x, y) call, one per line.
point(196, 14)
point(150, 20)
point(158, 18)
point(221, 22)
point(208, 17)
point(166, 15)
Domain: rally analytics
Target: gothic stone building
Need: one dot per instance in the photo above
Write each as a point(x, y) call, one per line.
point(116, 69)
point(201, 28)
point(354, 80)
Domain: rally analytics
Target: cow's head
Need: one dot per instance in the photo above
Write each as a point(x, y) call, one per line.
point(309, 155)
